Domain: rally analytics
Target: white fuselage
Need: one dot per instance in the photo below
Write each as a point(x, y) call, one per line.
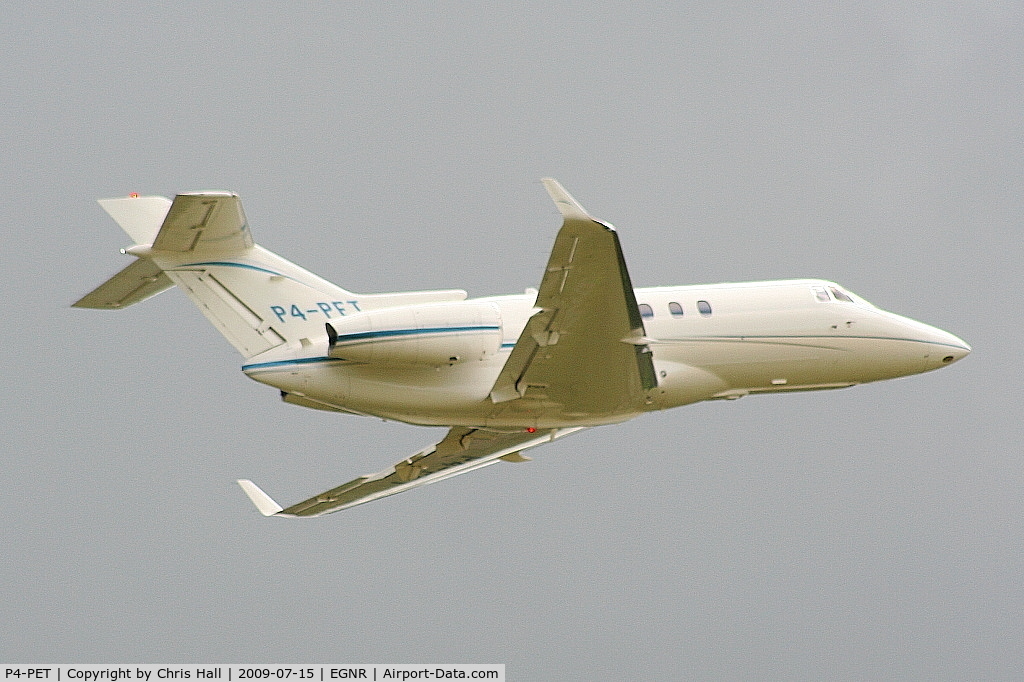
point(503, 373)
point(436, 363)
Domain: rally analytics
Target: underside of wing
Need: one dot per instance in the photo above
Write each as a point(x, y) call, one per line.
point(584, 354)
point(581, 360)
point(205, 221)
point(135, 283)
point(462, 450)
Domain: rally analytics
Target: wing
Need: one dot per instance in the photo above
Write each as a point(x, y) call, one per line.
point(584, 353)
point(462, 450)
point(206, 221)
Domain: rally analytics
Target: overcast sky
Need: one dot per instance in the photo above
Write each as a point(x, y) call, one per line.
point(869, 533)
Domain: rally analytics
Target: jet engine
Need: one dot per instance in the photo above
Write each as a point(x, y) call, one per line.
point(428, 334)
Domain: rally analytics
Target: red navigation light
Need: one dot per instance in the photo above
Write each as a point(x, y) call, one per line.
point(134, 195)
point(531, 429)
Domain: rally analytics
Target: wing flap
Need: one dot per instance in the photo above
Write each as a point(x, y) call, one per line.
point(585, 349)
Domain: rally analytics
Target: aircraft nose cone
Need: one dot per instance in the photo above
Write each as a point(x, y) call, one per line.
point(930, 347)
point(957, 347)
point(945, 347)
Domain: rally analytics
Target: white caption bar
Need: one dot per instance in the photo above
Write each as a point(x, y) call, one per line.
point(252, 673)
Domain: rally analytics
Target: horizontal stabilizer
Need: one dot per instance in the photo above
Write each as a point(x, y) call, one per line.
point(137, 282)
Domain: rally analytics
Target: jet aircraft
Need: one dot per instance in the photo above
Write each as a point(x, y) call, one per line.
point(503, 373)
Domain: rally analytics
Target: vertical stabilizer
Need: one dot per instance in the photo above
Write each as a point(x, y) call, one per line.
point(204, 245)
point(256, 299)
point(201, 243)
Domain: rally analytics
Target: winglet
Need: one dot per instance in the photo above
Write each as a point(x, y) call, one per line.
point(263, 502)
point(569, 207)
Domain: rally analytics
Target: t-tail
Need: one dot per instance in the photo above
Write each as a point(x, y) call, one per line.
point(256, 299)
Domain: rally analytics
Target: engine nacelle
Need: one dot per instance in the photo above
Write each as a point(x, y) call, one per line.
point(429, 334)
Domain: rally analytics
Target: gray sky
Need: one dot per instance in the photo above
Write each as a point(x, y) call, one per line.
point(869, 533)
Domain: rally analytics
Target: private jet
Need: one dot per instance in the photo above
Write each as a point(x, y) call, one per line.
point(503, 373)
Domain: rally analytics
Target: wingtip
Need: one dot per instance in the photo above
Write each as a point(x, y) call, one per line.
point(263, 502)
point(567, 205)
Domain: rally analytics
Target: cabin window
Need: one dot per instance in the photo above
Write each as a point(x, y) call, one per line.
point(646, 310)
point(703, 307)
point(820, 293)
point(675, 309)
point(841, 295)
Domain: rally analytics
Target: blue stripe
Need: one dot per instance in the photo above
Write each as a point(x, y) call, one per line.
point(393, 333)
point(808, 336)
point(244, 266)
point(364, 337)
point(289, 363)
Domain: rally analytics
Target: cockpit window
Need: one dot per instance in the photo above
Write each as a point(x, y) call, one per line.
point(646, 310)
point(820, 293)
point(703, 307)
point(675, 309)
point(841, 295)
